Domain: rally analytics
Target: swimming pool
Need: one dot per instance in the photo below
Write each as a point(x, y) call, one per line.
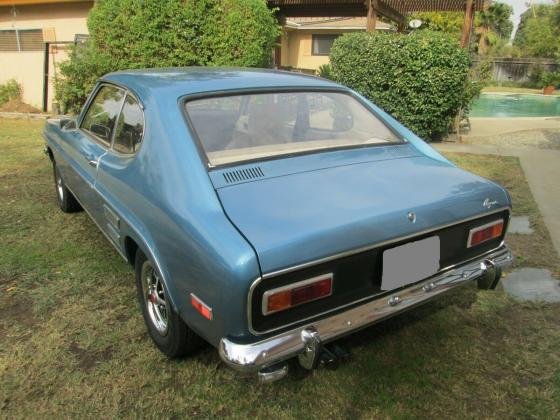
point(515, 105)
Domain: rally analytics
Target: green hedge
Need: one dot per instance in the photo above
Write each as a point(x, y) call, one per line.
point(128, 34)
point(420, 78)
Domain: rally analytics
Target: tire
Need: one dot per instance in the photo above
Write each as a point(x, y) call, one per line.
point(166, 328)
point(65, 199)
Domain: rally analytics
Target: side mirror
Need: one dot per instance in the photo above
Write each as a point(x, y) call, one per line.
point(67, 123)
point(100, 130)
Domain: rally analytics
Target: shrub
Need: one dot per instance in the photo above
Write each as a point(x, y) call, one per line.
point(9, 90)
point(480, 75)
point(128, 34)
point(421, 79)
point(325, 71)
point(550, 78)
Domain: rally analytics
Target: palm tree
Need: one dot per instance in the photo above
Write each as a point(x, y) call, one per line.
point(494, 24)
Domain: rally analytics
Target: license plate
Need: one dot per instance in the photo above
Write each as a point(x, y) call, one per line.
point(410, 262)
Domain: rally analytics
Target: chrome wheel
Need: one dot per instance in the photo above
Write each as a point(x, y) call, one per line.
point(154, 298)
point(59, 186)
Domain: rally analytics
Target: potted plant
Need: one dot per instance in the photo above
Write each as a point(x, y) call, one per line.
point(550, 81)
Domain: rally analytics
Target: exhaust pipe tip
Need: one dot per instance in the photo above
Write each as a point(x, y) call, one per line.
point(273, 373)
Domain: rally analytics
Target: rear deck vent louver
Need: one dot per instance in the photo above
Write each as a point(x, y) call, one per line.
point(241, 175)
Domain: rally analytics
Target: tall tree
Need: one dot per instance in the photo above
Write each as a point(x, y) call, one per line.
point(497, 18)
point(538, 34)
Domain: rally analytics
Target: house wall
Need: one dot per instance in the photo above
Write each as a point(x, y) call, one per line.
point(66, 18)
point(297, 46)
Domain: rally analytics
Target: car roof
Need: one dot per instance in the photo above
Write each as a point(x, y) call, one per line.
point(182, 81)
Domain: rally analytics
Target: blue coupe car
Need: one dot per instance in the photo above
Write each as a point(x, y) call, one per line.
point(270, 213)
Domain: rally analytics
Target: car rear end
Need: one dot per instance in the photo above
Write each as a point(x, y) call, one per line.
point(347, 233)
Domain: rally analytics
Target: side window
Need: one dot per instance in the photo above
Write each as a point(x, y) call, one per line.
point(130, 127)
point(101, 116)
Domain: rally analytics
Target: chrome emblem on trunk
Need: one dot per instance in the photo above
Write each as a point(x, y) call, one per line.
point(489, 203)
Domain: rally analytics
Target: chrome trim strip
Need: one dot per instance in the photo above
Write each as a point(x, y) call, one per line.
point(376, 245)
point(258, 279)
point(255, 356)
point(479, 228)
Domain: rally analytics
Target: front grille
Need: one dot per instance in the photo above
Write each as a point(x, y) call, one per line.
point(358, 276)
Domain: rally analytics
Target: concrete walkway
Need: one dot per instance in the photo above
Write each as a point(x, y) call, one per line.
point(482, 127)
point(542, 170)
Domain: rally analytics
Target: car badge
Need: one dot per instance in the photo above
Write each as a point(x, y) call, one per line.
point(411, 217)
point(489, 203)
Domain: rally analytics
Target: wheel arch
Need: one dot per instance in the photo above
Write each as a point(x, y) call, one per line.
point(132, 243)
point(49, 153)
point(130, 248)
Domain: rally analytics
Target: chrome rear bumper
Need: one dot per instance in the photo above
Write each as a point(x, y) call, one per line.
point(256, 356)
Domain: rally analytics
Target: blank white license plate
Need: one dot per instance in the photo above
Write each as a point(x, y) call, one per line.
point(410, 262)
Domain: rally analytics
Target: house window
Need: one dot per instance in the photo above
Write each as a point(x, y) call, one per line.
point(322, 44)
point(21, 40)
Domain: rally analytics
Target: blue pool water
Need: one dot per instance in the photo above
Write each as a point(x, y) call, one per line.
point(515, 105)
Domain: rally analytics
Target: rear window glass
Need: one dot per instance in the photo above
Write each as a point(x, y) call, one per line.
point(253, 126)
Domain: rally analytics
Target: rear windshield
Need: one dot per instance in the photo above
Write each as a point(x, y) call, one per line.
point(255, 126)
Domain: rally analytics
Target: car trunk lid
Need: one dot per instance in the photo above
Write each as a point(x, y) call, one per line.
point(298, 217)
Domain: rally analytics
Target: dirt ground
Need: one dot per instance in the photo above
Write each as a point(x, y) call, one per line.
point(16, 105)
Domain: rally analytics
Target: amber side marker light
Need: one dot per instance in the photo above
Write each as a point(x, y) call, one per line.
point(296, 294)
point(202, 308)
point(485, 233)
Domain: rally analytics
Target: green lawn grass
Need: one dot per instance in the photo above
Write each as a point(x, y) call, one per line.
point(73, 343)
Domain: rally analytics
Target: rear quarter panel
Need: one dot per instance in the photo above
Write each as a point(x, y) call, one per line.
point(169, 207)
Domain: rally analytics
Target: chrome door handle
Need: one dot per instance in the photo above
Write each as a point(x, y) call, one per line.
point(92, 162)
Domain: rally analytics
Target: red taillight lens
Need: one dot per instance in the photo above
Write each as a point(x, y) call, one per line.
point(485, 233)
point(296, 294)
point(201, 307)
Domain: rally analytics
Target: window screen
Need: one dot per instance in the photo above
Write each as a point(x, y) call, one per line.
point(130, 127)
point(322, 44)
point(21, 40)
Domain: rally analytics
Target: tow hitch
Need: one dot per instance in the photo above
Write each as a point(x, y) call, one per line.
point(490, 277)
point(315, 354)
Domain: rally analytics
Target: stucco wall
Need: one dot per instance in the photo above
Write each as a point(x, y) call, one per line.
point(297, 46)
point(67, 19)
point(299, 51)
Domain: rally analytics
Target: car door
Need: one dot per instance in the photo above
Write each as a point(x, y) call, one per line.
point(118, 167)
point(91, 141)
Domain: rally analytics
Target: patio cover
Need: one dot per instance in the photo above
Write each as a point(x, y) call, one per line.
point(395, 10)
point(391, 9)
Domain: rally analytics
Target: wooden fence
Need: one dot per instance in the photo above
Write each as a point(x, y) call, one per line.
point(519, 69)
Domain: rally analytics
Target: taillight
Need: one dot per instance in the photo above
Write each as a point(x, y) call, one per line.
point(485, 233)
point(202, 308)
point(305, 291)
